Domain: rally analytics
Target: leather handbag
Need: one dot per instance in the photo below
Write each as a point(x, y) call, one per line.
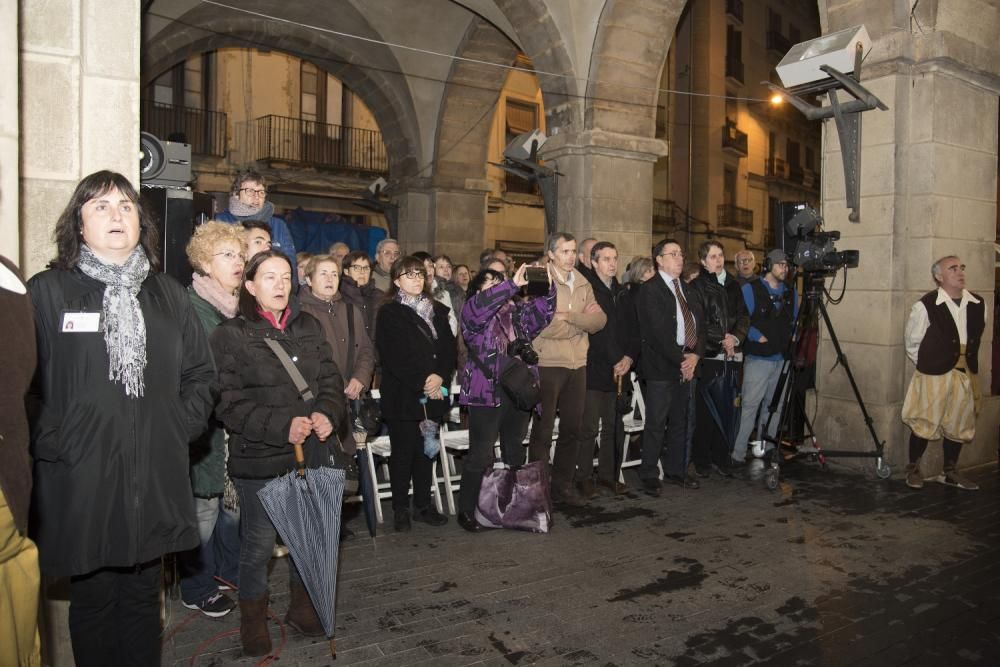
point(516, 497)
point(516, 380)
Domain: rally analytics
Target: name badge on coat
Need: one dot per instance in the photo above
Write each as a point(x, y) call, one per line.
point(81, 322)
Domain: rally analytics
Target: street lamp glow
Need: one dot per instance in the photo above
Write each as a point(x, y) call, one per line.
point(777, 100)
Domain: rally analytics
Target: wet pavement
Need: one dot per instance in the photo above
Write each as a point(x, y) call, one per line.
point(832, 568)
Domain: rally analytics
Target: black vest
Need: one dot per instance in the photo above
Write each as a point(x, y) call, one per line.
point(774, 323)
point(940, 348)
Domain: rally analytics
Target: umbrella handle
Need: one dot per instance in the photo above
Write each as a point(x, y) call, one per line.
point(619, 385)
point(300, 458)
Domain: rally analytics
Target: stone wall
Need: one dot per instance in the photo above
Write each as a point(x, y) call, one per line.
point(10, 232)
point(79, 106)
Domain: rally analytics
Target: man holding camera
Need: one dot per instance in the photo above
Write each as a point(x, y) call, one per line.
point(562, 365)
point(773, 307)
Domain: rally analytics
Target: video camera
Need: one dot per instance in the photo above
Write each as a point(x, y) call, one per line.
point(813, 251)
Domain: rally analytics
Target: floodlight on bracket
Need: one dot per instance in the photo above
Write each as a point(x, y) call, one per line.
point(814, 67)
point(373, 200)
point(521, 159)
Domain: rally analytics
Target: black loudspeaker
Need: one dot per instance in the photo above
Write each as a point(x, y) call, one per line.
point(176, 213)
point(781, 213)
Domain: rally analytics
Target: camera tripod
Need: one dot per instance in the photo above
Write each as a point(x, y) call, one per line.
point(784, 395)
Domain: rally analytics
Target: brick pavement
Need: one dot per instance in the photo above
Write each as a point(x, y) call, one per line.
point(831, 569)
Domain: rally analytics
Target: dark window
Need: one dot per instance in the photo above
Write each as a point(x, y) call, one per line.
point(773, 21)
point(729, 187)
point(792, 153)
point(794, 36)
point(810, 159)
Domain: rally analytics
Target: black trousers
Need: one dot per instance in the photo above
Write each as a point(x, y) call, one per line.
point(564, 391)
point(664, 437)
point(485, 424)
point(601, 415)
point(709, 444)
point(114, 616)
point(408, 464)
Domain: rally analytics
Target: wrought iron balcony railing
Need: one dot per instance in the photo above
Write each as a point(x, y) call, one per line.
point(283, 139)
point(734, 68)
point(733, 140)
point(777, 42)
point(734, 217)
point(204, 130)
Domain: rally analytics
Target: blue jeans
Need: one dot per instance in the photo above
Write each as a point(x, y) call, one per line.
point(218, 553)
point(258, 541)
point(760, 377)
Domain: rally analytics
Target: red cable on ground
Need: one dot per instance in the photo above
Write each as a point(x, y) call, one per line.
point(267, 660)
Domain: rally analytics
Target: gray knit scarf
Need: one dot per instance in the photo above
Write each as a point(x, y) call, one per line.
point(124, 326)
point(423, 306)
point(246, 212)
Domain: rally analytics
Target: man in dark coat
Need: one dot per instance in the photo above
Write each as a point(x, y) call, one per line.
point(610, 356)
point(671, 348)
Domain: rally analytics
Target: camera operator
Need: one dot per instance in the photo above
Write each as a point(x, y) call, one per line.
point(773, 307)
point(726, 325)
point(496, 325)
point(562, 353)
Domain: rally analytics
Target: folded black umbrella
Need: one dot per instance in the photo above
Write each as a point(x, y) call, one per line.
point(722, 396)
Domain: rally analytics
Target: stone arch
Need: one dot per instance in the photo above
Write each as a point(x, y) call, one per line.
point(630, 48)
point(374, 76)
point(470, 98)
point(544, 44)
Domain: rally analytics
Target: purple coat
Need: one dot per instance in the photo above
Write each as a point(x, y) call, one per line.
point(487, 320)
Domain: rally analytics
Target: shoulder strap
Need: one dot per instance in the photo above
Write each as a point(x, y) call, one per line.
point(350, 340)
point(300, 382)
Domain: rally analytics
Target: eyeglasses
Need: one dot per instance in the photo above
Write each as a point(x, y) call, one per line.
point(360, 268)
point(250, 191)
point(230, 255)
point(745, 260)
point(673, 253)
point(413, 275)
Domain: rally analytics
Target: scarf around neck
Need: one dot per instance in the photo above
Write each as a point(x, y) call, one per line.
point(211, 291)
point(247, 212)
point(423, 306)
point(124, 325)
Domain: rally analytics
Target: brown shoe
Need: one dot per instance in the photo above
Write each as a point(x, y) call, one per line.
point(587, 489)
point(301, 614)
point(254, 635)
point(616, 487)
point(914, 479)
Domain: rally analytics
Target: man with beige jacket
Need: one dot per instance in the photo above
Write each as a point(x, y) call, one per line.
point(562, 365)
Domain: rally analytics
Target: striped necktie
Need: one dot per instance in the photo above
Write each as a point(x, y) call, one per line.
point(690, 335)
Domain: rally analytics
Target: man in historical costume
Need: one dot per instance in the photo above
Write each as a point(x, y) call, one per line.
point(942, 339)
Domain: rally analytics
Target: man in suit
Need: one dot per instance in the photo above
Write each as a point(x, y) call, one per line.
point(671, 348)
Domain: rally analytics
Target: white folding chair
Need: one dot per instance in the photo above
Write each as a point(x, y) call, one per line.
point(633, 424)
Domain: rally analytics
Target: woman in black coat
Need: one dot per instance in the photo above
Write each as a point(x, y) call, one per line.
point(726, 323)
point(265, 414)
point(125, 381)
point(417, 352)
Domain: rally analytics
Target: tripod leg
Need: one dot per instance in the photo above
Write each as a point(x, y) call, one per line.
point(842, 360)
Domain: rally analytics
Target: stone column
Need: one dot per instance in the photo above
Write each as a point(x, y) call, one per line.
point(606, 190)
point(79, 111)
point(10, 233)
point(79, 106)
point(928, 189)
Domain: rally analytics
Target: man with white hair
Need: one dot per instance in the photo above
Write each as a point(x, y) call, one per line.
point(942, 338)
point(386, 252)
